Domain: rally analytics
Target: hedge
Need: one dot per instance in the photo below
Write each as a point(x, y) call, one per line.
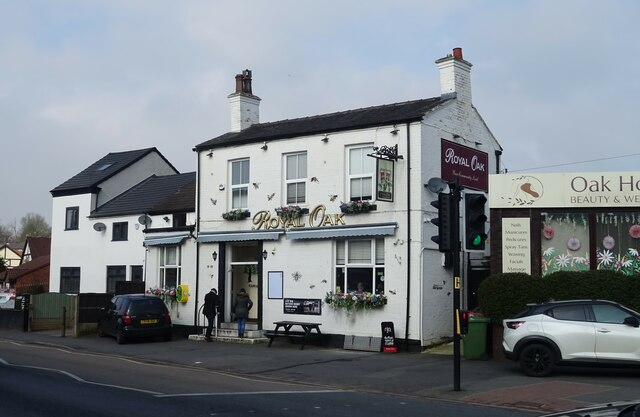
point(501, 296)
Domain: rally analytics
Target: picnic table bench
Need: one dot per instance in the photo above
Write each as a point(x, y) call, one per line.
point(283, 329)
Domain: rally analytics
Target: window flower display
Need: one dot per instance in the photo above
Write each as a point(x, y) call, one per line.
point(168, 294)
point(358, 206)
point(289, 212)
point(355, 300)
point(237, 214)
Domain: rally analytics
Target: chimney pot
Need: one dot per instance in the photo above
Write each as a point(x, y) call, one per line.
point(239, 83)
point(457, 53)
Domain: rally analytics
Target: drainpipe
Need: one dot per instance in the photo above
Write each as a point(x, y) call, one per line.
point(195, 310)
point(406, 331)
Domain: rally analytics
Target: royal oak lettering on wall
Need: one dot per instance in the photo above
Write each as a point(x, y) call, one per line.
point(318, 217)
point(474, 163)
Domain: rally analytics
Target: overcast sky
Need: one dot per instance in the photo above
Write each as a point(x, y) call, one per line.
point(556, 81)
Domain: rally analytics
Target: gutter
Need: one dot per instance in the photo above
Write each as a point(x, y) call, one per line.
point(195, 311)
point(406, 330)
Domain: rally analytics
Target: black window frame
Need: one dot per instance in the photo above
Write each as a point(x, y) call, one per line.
point(69, 274)
point(120, 232)
point(71, 218)
point(115, 273)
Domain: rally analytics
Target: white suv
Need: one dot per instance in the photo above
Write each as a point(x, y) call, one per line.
point(572, 332)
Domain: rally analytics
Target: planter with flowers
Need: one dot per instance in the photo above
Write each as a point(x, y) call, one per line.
point(168, 294)
point(358, 206)
point(287, 213)
point(237, 214)
point(355, 300)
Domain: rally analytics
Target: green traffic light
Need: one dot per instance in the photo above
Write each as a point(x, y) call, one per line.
point(477, 240)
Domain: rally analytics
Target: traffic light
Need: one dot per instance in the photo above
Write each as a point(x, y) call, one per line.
point(463, 321)
point(444, 222)
point(474, 222)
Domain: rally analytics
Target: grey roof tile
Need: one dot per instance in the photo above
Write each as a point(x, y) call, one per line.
point(327, 123)
point(155, 195)
point(101, 170)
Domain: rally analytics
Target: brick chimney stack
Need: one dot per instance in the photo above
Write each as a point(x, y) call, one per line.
point(244, 105)
point(455, 76)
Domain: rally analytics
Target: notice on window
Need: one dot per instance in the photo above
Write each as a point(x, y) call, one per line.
point(516, 245)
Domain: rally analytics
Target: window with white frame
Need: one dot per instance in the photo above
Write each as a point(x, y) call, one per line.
point(240, 184)
point(296, 178)
point(360, 265)
point(361, 173)
point(170, 260)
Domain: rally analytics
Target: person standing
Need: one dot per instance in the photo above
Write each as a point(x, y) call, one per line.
point(241, 307)
point(210, 310)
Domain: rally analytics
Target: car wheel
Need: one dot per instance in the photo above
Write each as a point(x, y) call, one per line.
point(120, 338)
point(537, 360)
point(167, 337)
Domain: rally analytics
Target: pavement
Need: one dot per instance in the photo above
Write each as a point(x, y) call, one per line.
point(428, 375)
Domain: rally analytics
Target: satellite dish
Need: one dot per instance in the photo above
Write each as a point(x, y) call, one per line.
point(99, 227)
point(436, 185)
point(144, 220)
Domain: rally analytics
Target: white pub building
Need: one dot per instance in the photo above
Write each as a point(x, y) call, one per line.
point(325, 219)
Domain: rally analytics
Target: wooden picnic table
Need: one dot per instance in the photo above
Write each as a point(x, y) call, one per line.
point(283, 329)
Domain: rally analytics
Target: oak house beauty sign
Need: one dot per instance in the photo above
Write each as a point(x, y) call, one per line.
point(469, 166)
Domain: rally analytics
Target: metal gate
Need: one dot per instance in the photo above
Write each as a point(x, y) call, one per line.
point(51, 311)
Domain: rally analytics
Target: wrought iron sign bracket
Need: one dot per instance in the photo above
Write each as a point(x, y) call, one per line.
point(389, 153)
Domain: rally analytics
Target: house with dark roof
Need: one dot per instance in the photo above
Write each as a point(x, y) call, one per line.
point(32, 274)
point(96, 236)
point(326, 218)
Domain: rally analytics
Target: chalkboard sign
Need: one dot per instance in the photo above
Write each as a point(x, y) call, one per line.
point(302, 306)
point(388, 337)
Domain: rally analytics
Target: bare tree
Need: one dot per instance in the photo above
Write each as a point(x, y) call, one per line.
point(33, 225)
point(7, 233)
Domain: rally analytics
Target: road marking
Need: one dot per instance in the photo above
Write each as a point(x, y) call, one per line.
point(77, 378)
point(219, 394)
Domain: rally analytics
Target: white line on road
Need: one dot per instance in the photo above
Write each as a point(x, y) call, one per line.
point(203, 394)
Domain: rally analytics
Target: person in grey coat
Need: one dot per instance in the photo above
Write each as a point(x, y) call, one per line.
point(241, 307)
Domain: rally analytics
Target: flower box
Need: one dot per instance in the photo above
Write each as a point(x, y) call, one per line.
point(237, 214)
point(355, 300)
point(359, 206)
point(291, 212)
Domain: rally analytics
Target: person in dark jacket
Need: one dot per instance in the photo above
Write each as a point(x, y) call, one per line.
point(241, 307)
point(210, 310)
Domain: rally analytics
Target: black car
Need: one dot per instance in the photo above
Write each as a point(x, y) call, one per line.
point(135, 316)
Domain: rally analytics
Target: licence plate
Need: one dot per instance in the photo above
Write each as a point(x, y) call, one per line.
point(151, 321)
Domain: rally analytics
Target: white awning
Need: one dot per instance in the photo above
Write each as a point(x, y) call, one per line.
point(240, 236)
point(165, 240)
point(382, 229)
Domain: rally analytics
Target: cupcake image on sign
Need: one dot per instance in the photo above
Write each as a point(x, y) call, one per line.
point(524, 191)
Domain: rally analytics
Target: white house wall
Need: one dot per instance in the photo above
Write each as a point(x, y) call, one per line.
point(314, 259)
point(437, 286)
point(89, 249)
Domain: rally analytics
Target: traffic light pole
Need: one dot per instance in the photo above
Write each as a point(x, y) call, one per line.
point(454, 191)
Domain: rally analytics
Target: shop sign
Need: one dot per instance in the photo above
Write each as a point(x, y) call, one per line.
point(318, 217)
point(468, 167)
point(516, 245)
point(590, 189)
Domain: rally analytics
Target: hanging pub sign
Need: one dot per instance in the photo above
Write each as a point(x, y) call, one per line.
point(385, 156)
point(384, 186)
point(468, 167)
